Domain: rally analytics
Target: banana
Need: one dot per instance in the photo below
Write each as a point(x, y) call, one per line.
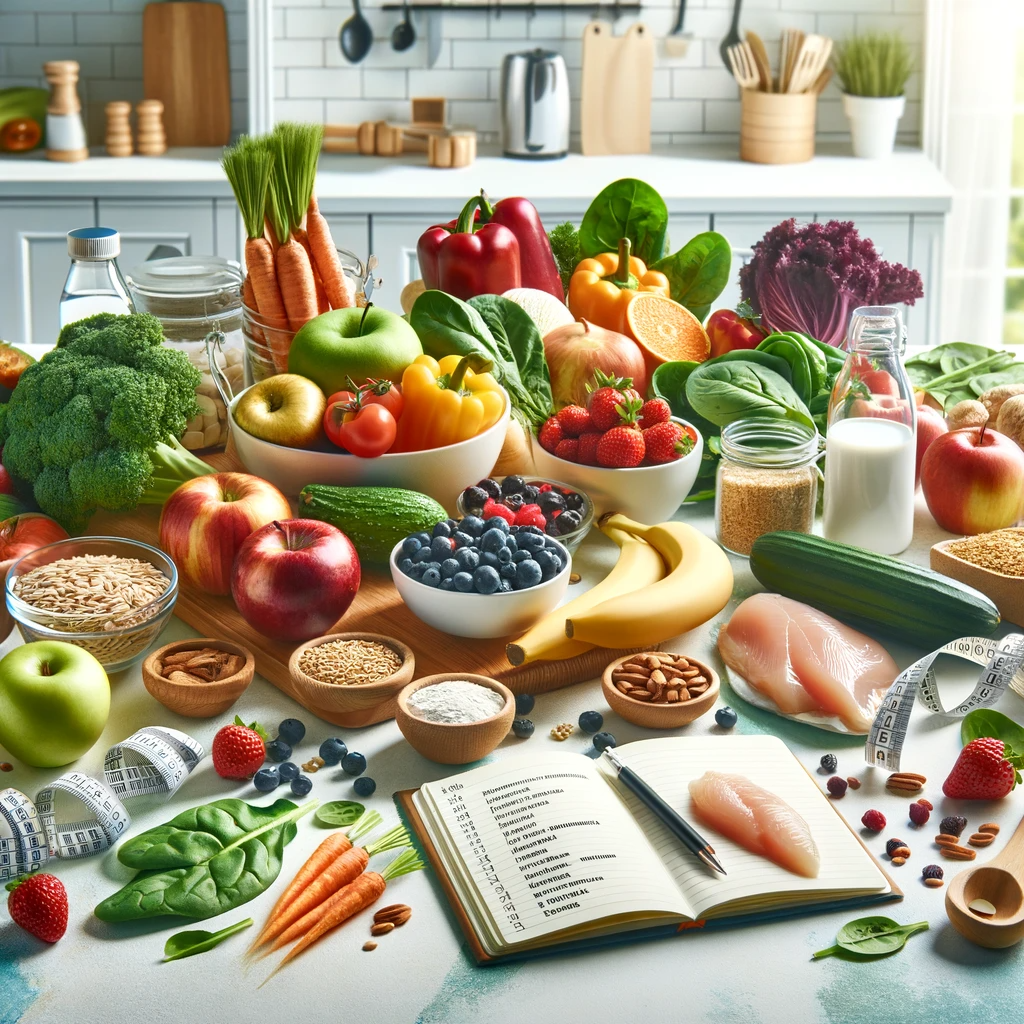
point(638, 566)
point(697, 587)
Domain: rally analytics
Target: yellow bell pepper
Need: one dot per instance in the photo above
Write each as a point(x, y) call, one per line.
point(601, 287)
point(446, 402)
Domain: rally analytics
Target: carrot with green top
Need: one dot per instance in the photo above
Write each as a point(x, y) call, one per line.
point(340, 292)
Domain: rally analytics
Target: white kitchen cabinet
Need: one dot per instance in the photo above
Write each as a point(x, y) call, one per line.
point(34, 262)
point(186, 225)
point(349, 231)
point(393, 240)
point(926, 257)
point(682, 227)
point(742, 230)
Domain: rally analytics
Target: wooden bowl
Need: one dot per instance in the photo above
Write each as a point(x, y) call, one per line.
point(1005, 592)
point(455, 744)
point(659, 716)
point(357, 705)
point(198, 700)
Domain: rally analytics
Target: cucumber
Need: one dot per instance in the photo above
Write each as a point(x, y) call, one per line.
point(375, 519)
point(871, 592)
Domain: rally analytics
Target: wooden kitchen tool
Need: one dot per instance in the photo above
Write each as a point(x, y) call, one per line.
point(792, 40)
point(744, 66)
point(454, 149)
point(777, 127)
point(119, 129)
point(185, 65)
point(764, 66)
point(65, 133)
point(615, 91)
point(149, 119)
point(351, 138)
point(810, 62)
point(1001, 883)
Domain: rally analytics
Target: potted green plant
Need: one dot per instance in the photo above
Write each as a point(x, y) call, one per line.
point(873, 70)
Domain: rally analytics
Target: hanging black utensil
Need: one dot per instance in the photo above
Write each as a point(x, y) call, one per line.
point(404, 34)
point(733, 36)
point(356, 36)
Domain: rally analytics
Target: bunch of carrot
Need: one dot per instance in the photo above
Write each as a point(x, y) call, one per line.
point(333, 886)
point(294, 272)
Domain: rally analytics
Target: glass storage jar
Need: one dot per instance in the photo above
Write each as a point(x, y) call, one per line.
point(767, 480)
point(193, 296)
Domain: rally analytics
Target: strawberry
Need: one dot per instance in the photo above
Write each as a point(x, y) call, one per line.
point(238, 750)
point(496, 508)
point(588, 448)
point(568, 449)
point(621, 448)
point(550, 434)
point(985, 770)
point(574, 420)
point(531, 515)
point(666, 442)
point(39, 904)
point(655, 410)
point(605, 395)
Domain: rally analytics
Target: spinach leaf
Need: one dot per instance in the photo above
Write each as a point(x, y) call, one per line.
point(1013, 374)
point(627, 208)
point(446, 325)
point(339, 813)
point(184, 944)
point(723, 391)
point(805, 381)
point(698, 272)
point(205, 861)
point(752, 355)
point(669, 382)
point(835, 358)
point(869, 937)
point(986, 722)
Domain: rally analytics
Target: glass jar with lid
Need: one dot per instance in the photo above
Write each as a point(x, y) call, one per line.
point(767, 480)
point(193, 296)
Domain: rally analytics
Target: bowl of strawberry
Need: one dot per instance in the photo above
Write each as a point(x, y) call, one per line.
point(556, 508)
point(629, 455)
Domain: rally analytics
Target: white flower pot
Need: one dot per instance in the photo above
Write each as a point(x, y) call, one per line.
point(873, 121)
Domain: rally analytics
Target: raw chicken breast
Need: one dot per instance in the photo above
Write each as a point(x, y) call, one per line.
point(806, 661)
point(755, 819)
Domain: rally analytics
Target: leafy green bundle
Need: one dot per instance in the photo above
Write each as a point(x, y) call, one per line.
point(957, 372)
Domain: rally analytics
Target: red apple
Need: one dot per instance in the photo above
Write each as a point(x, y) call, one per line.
point(930, 425)
point(294, 579)
point(21, 534)
point(973, 480)
point(574, 351)
point(205, 520)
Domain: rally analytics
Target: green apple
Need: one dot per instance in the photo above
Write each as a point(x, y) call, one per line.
point(54, 701)
point(356, 343)
point(286, 409)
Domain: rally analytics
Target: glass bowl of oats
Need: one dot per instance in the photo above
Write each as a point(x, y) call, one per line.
point(110, 596)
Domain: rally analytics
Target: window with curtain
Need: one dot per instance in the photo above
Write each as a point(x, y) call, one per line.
point(1013, 323)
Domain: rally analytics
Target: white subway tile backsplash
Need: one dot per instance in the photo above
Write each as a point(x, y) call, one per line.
point(453, 85)
point(385, 85)
point(17, 28)
point(104, 29)
point(326, 83)
point(53, 28)
point(703, 83)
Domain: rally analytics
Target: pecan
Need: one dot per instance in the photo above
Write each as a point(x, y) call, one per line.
point(933, 883)
point(982, 839)
point(991, 827)
point(946, 839)
point(956, 852)
point(906, 782)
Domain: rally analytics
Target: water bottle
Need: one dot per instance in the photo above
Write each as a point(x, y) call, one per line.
point(871, 444)
point(94, 283)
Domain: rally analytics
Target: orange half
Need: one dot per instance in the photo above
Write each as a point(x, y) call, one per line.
point(665, 330)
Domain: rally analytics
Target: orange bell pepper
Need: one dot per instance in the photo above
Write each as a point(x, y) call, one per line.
point(601, 287)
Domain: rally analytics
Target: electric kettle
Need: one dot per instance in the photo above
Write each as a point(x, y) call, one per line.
point(534, 105)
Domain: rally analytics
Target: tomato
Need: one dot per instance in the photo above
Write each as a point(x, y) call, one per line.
point(728, 331)
point(366, 431)
point(383, 392)
point(20, 134)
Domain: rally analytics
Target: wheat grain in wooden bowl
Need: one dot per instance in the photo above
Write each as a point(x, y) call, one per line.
point(196, 699)
point(658, 673)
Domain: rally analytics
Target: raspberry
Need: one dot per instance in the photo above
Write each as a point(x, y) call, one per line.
point(829, 763)
point(587, 452)
point(952, 824)
point(550, 434)
point(893, 845)
point(530, 515)
point(568, 450)
point(496, 508)
point(919, 814)
point(931, 871)
point(837, 786)
point(543, 488)
point(873, 821)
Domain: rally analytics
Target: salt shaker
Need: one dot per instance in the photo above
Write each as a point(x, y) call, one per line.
point(119, 131)
point(65, 133)
point(152, 138)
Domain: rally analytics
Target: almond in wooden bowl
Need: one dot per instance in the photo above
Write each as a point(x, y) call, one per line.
point(198, 678)
point(353, 678)
point(454, 742)
point(678, 689)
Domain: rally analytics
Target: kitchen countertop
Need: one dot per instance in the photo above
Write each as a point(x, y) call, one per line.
point(421, 974)
point(710, 179)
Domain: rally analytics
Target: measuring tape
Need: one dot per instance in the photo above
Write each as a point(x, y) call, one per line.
point(1003, 660)
point(77, 815)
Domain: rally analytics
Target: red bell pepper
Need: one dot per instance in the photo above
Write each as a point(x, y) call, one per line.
point(728, 331)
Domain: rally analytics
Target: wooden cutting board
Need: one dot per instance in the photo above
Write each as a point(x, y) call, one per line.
point(185, 65)
point(615, 92)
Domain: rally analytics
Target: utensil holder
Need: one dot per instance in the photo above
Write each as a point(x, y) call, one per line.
point(777, 128)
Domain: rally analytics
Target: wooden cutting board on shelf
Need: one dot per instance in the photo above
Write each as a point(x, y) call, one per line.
point(615, 91)
point(185, 65)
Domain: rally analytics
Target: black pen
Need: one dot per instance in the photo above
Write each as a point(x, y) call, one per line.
point(690, 838)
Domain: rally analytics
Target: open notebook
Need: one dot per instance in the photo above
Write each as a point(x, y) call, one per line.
point(539, 853)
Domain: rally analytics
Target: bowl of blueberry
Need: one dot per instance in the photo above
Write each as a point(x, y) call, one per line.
point(481, 578)
point(559, 510)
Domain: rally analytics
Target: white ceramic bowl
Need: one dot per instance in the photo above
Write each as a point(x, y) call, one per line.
point(648, 494)
point(480, 615)
point(440, 472)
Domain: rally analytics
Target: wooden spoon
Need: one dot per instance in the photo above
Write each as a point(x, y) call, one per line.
point(1001, 882)
point(764, 69)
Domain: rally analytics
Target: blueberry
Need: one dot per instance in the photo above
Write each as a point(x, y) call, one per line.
point(535, 530)
point(490, 487)
point(496, 523)
point(332, 750)
point(424, 539)
point(404, 565)
point(552, 528)
point(492, 540)
point(531, 494)
point(489, 558)
point(530, 541)
point(353, 763)
point(524, 703)
point(431, 578)
point(523, 728)
point(505, 585)
point(591, 721)
point(291, 730)
point(726, 717)
point(504, 554)
point(364, 786)
point(446, 584)
point(452, 524)
point(302, 785)
point(567, 522)
point(603, 740)
point(416, 571)
point(278, 750)
point(442, 530)
point(520, 556)
point(511, 543)
point(449, 567)
point(463, 582)
point(548, 562)
point(266, 780)
point(507, 571)
point(486, 580)
point(423, 555)
point(410, 546)
point(528, 574)
point(513, 501)
point(550, 501)
point(468, 559)
point(474, 498)
point(473, 525)
point(462, 539)
point(575, 501)
point(513, 484)
point(441, 547)
point(288, 771)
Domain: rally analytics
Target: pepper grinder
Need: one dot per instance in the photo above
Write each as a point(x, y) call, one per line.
point(152, 138)
point(65, 133)
point(119, 131)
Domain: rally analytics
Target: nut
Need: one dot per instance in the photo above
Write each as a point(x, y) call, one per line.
point(981, 839)
point(658, 677)
point(906, 782)
point(313, 765)
point(853, 782)
point(991, 827)
point(397, 914)
point(382, 928)
point(901, 851)
point(957, 852)
point(899, 861)
point(369, 947)
point(945, 839)
point(562, 731)
point(623, 687)
point(933, 883)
